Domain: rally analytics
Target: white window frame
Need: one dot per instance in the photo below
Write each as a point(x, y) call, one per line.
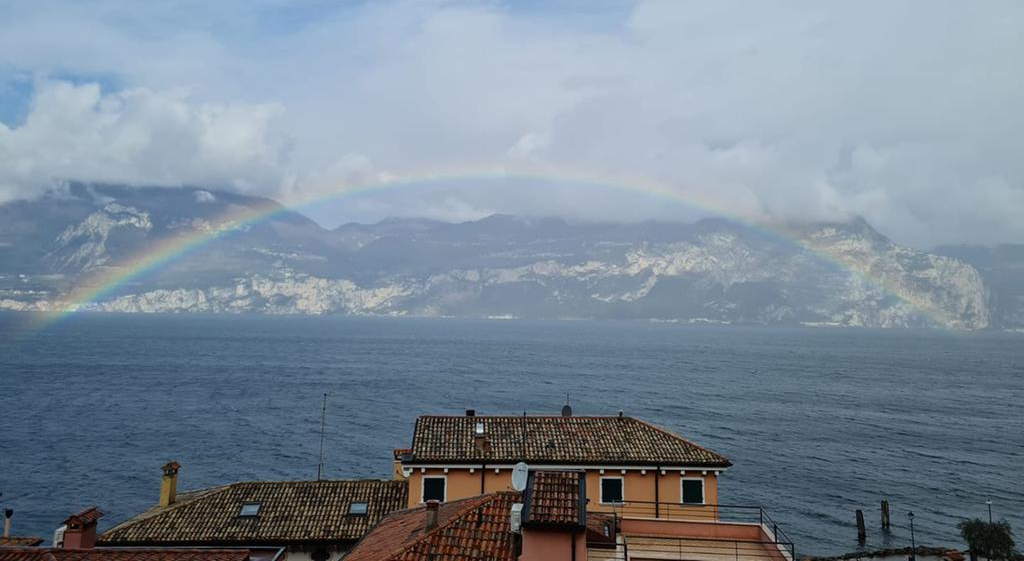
point(423, 487)
point(703, 490)
point(622, 484)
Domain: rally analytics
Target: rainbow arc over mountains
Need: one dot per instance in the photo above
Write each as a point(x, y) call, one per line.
point(100, 285)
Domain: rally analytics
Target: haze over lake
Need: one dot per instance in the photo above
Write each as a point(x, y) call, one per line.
point(817, 422)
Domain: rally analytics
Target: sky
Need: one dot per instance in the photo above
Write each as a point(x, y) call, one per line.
point(907, 113)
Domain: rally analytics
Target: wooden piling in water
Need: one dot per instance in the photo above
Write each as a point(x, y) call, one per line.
point(885, 515)
point(862, 534)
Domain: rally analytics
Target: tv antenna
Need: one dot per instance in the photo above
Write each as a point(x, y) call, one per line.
point(323, 425)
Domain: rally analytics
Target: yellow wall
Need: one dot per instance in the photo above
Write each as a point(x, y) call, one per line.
point(636, 487)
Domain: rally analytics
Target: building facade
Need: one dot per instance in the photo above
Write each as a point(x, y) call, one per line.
point(626, 462)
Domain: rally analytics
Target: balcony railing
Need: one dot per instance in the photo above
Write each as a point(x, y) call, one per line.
point(631, 548)
point(727, 514)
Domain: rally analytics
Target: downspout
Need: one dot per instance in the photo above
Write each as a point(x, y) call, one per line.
point(572, 538)
point(483, 476)
point(657, 492)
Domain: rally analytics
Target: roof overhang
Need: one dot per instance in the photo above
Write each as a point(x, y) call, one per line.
point(547, 465)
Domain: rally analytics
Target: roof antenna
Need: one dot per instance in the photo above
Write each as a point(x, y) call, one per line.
point(523, 439)
point(323, 420)
point(566, 409)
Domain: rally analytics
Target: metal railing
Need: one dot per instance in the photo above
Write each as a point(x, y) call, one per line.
point(703, 549)
point(712, 513)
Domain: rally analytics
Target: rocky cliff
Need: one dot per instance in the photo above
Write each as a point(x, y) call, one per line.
point(501, 266)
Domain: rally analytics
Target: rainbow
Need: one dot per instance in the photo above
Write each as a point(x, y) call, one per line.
point(86, 295)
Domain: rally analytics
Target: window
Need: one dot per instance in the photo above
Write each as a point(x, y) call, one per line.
point(693, 491)
point(611, 490)
point(434, 488)
point(358, 508)
point(250, 509)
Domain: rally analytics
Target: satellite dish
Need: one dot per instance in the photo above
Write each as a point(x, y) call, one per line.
point(519, 474)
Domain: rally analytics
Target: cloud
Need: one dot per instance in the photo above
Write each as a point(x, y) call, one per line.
point(907, 113)
point(138, 136)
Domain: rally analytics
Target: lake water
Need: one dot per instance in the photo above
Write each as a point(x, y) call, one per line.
point(818, 422)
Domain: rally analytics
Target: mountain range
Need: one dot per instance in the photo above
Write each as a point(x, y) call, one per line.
point(714, 270)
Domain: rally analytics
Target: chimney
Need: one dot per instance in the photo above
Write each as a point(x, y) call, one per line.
point(7, 522)
point(431, 515)
point(169, 483)
point(401, 455)
point(471, 412)
point(81, 529)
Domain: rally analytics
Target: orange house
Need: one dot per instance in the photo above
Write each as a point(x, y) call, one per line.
point(629, 465)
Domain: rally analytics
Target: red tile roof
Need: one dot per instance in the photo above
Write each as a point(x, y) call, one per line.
point(555, 498)
point(556, 440)
point(290, 512)
point(473, 529)
point(84, 518)
point(121, 554)
point(21, 541)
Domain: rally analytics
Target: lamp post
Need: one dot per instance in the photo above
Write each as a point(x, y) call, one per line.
point(913, 543)
point(989, 503)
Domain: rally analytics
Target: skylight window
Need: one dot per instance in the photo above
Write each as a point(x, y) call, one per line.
point(358, 508)
point(250, 509)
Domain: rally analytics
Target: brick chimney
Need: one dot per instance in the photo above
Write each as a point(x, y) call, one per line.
point(431, 515)
point(169, 483)
point(81, 529)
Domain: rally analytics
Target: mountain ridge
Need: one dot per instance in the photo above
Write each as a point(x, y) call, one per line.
point(713, 270)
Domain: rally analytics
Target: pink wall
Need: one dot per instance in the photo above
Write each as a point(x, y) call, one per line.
point(552, 545)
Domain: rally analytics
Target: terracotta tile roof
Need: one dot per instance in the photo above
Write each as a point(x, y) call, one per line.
point(555, 498)
point(601, 529)
point(21, 541)
point(121, 554)
point(289, 512)
point(557, 440)
point(84, 518)
point(473, 529)
point(399, 452)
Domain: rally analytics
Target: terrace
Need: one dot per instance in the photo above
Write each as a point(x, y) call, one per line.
point(675, 531)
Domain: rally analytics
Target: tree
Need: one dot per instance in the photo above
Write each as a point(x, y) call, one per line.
point(992, 540)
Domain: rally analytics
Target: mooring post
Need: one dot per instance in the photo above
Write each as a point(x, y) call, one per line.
point(885, 515)
point(861, 532)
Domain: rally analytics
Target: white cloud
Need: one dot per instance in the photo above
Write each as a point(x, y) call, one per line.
point(138, 136)
point(905, 113)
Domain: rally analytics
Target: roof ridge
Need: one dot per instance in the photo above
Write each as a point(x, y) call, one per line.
point(195, 495)
point(347, 480)
point(684, 439)
point(521, 416)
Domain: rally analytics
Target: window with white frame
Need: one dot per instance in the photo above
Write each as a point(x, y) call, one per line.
point(692, 490)
point(611, 490)
point(434, 488)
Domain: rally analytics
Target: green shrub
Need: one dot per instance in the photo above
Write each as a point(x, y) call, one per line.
point(992, 540)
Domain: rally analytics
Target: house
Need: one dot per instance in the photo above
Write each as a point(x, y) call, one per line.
point(122, 554)
point(549, 521)
point(317, 520)
point(623, 460)
point(76, 539)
